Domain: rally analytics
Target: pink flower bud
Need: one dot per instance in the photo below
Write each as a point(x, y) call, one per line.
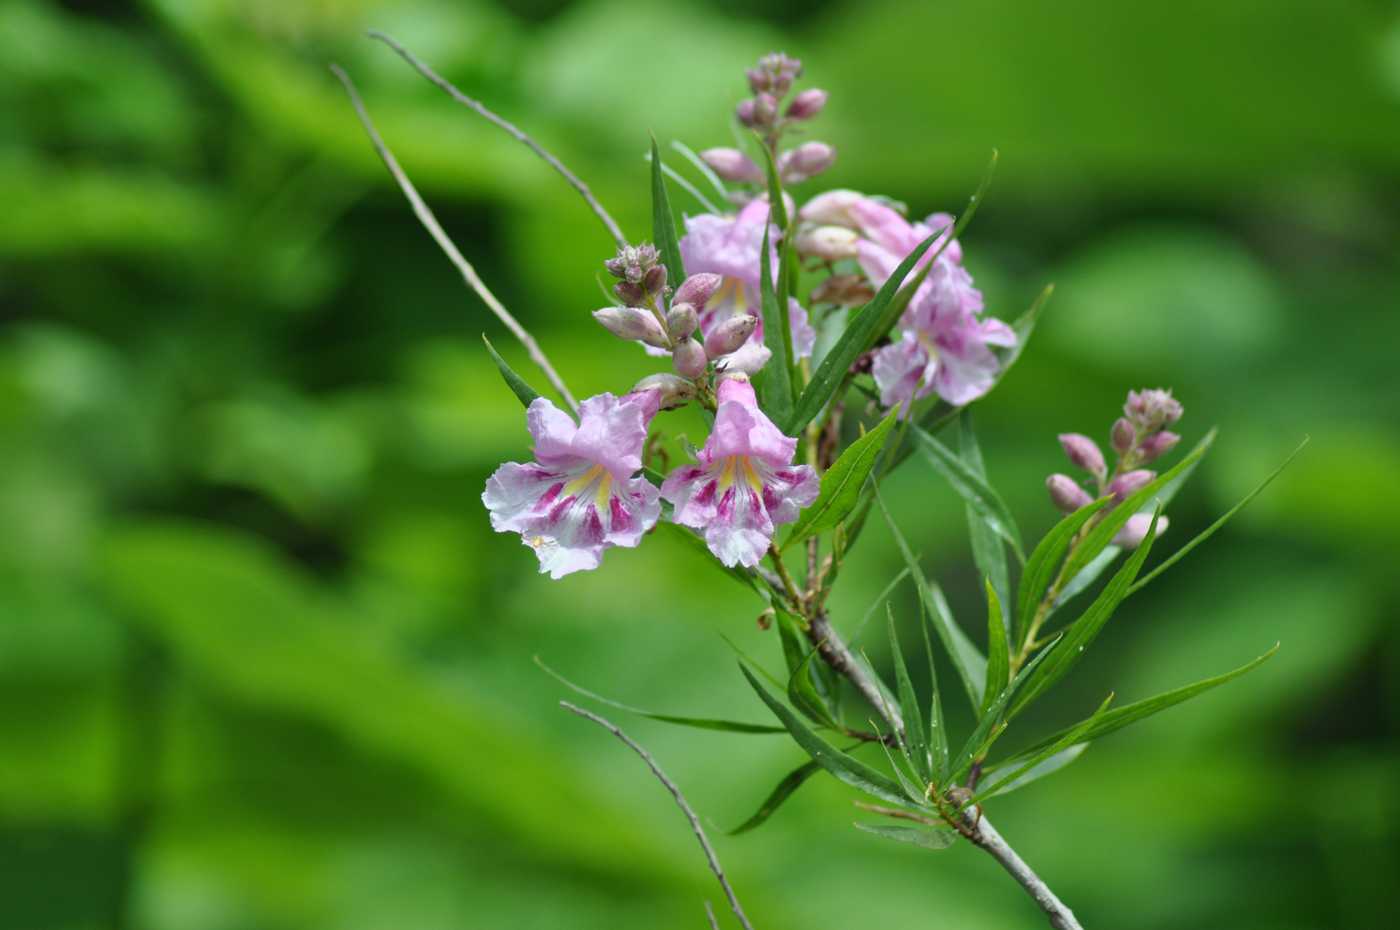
point(1135, 530)
point(1157, 445)
point(746, 113)
point(805, 161)
point(832, 208)
point(1066, 494)
point(675, 392)
point(829, 243)
point(682, 321)
point(729, 335)
point(807, 104)
point(1130, 482)
point(697, 289)
point(689, 359)
point(1083, 452)
point(765, 109)
point(655, 279)
point(733, 165)
point(632, 323)
point(1123, 436)
point(1152, 409)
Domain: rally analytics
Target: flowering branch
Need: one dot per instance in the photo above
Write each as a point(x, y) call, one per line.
point(520, 135)
point(681, 802)
point(449, 248)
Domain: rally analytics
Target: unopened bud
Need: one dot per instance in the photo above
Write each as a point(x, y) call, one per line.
point(1135, 530)
point(1083, 452)
point(832, 207)
point(1066, 494)
point(632, 323)
point(1157, 445)
point(845, 290)
point(682, 321)
point(1131, 482)
point(730, 335)
point(1123, 436)
point(805, 161)
point(1152, 409)
point(655, 279)
point(807, 104)
point(630, 294)
point(689, 359)
point(747, 113)
point(765, 109)
point(675, 392)
point(829, 243)
point(733, 165)
point(697, 289)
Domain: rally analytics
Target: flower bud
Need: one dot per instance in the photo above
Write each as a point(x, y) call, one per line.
point(1123, 436)
point(805, 161)
point(1130, 482)
point(675, 392)
point(807, 104)
point(655, 279)
point(733, 165)
point(831, 208)
point(1066, 494)
point(689, 359)
point(845, 290)
point(632, 323)
point(682, 321)
point(697, 289)
point(765, 109)
point(747, 113)
point(729, 335)
point(1083, 452)
point(1150, 410)
point(829, 243)
point(1157, 445)
point(630, 294)
point(1135, 530)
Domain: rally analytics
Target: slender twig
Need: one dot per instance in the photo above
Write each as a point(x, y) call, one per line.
point(449, 248)
point(515, 132)
point(681, 802)
point(710, 913)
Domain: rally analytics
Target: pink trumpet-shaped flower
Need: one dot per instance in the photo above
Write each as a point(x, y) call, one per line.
point(579, 497)
point(744, 484)
point(731, 246)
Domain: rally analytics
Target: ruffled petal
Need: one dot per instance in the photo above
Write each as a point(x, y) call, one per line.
point(611, 432)
point(903, 371)
point(552, 429)
point(515, 493)
point(787, 490)
point(740, 428)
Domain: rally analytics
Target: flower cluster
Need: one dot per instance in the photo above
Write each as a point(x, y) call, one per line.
point(1138, 438)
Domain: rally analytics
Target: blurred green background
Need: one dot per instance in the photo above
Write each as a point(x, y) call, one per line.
point(263, 662)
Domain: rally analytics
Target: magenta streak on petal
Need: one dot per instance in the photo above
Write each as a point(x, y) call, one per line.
point(548, 497)
point(592, 528)
point(557, 512)
point(621, 520)
point(707, 493)
point(725, 510)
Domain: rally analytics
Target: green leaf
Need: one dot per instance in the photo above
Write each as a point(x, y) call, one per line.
point(700, 723)
point(846, 768)
point(803, 695)
point(915, 737)
point(1040, 569)
point(998, 653)
point(775, 389)
point(992, 722)
point(1079, 634)
point(778, 206)
point(1024, 327)
point(1071, 737)
point(785, 789)
point(790, 636)
point(972, 488)
point(988, 551)
point(1211, 530)
point(937, 733)
point(927, 837)
point(663, 223)
point(879, 600)
point(1131, 713)
point(513, 381)
point(705, 170)
point(842, 483)
point(869, 323)
point(1048, 766)
point(970, 664)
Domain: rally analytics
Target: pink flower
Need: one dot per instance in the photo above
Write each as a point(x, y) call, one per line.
point(578, 497)
point(730, 246)
point(743, 484)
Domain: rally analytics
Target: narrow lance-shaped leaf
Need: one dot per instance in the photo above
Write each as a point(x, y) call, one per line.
point(842, 483)
point(972, 488)
point(915, 737)
point(998, 652)
point(803, 695)
point(927, 837)
point(1044, 561)
point(988, 550)
point(777, 205)
point(1048, 766)
point(517, 384)
point(846, 768)
point(992, 722)
point(970, 665)
point(784, 790)
point(937, 733)
point(1071, 737)
point(663, 223)
point(775, 386)
point(700, 723)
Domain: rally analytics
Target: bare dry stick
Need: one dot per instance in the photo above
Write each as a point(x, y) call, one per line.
point(430, 223)
point(980, 831)
point(515, 131)
point(685, 807)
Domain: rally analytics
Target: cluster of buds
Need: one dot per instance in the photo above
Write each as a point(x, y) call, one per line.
point(770, 81)
point(668, 321)
point(1137, 438)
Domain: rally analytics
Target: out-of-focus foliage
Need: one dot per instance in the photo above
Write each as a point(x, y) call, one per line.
point(264, 664)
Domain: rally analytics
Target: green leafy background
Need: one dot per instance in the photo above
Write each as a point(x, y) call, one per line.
point(263, 662)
